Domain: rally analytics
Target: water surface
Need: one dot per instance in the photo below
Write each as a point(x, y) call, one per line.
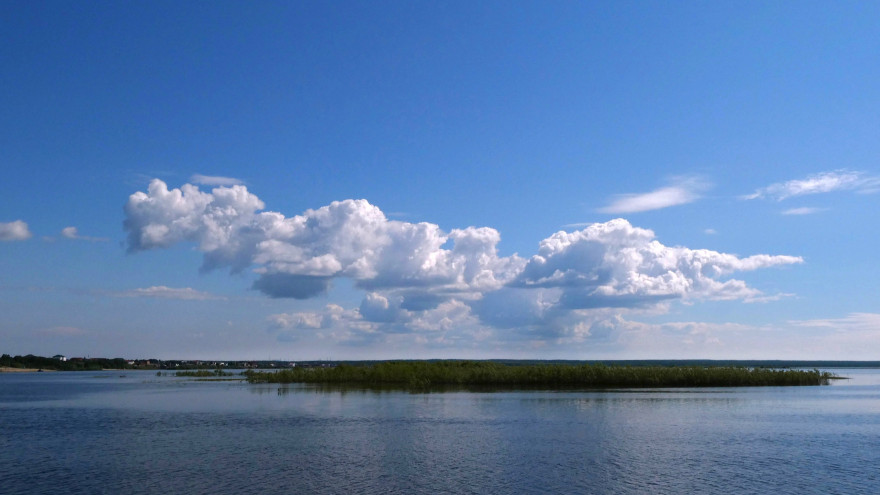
point(104, 432)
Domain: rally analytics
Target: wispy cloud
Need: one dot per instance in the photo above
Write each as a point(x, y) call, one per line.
point(214, 180)
point(14, 231)
point(73, 234)
point(806, 210)
point(163, 292)
point(763, 298)
point(683, 190)
point(578, 225)
point(825, 182)
point(864, 322)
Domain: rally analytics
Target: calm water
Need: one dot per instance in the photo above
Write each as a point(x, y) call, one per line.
point(139, 433)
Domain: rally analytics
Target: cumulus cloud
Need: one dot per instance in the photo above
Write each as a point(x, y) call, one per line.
point(419, 278)
point(214, 180)
point(298, 256)
point(379, 320)
point(332, 322)
point(825, 182)
point(282, 285)
point(678, 339)
point(163, 292)
point(614, 264)
point(73, 233)
point(682, 191)
point(14, 231)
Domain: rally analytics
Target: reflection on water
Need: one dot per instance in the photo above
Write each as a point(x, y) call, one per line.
point(73, 432)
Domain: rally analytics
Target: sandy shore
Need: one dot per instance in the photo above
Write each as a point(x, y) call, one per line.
point(4, 369)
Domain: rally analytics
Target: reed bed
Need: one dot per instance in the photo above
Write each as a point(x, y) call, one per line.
point(424, 374)
point(204, 373)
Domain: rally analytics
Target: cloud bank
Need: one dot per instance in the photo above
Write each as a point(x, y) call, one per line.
point(419, 278)
point(825, 182)
point(14, 231)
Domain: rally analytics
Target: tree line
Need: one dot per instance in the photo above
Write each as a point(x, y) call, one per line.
point(46, 363)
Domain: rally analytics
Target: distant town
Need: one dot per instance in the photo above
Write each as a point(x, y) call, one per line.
point(64, 363)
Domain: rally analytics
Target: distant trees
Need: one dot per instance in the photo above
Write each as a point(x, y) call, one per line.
point(74, 364)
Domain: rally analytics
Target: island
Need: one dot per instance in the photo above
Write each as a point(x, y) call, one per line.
point(426, 374)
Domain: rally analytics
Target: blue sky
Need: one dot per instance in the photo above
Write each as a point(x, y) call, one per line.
point(303, 180)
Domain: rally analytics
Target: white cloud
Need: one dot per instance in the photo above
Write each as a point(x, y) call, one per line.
point(449, 323)
point(762, 298)
point(806, 210)
point(14, 231)
point(684, 190)
point(213, 180)
point(333, 322)
point(606, 332)
point(162, 292)
point(296, 320)
point(614, 264)
point(298, 256)
point(445, 317)
point(73, 233)
point(825, 182)
point(710, 232)
point(420, 279)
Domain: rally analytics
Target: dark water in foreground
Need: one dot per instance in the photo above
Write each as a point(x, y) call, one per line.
point(104, 433)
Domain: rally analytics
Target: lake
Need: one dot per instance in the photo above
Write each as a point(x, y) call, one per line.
point(138, 433)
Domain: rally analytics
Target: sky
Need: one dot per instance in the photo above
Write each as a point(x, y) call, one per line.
point(386, 180)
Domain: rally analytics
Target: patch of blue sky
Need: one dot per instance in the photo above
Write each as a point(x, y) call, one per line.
point(526, 118)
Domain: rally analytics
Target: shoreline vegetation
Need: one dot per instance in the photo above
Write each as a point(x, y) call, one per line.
point(203, 373)
point(427, 374)
point(9, 369)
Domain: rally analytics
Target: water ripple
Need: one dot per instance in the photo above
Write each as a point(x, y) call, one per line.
point(146, 438)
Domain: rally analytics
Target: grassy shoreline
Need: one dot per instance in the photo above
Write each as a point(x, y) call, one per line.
point(425, 374)
point(8, 369)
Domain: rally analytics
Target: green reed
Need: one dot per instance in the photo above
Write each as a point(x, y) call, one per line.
point(423, 374)
point(204, 373)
